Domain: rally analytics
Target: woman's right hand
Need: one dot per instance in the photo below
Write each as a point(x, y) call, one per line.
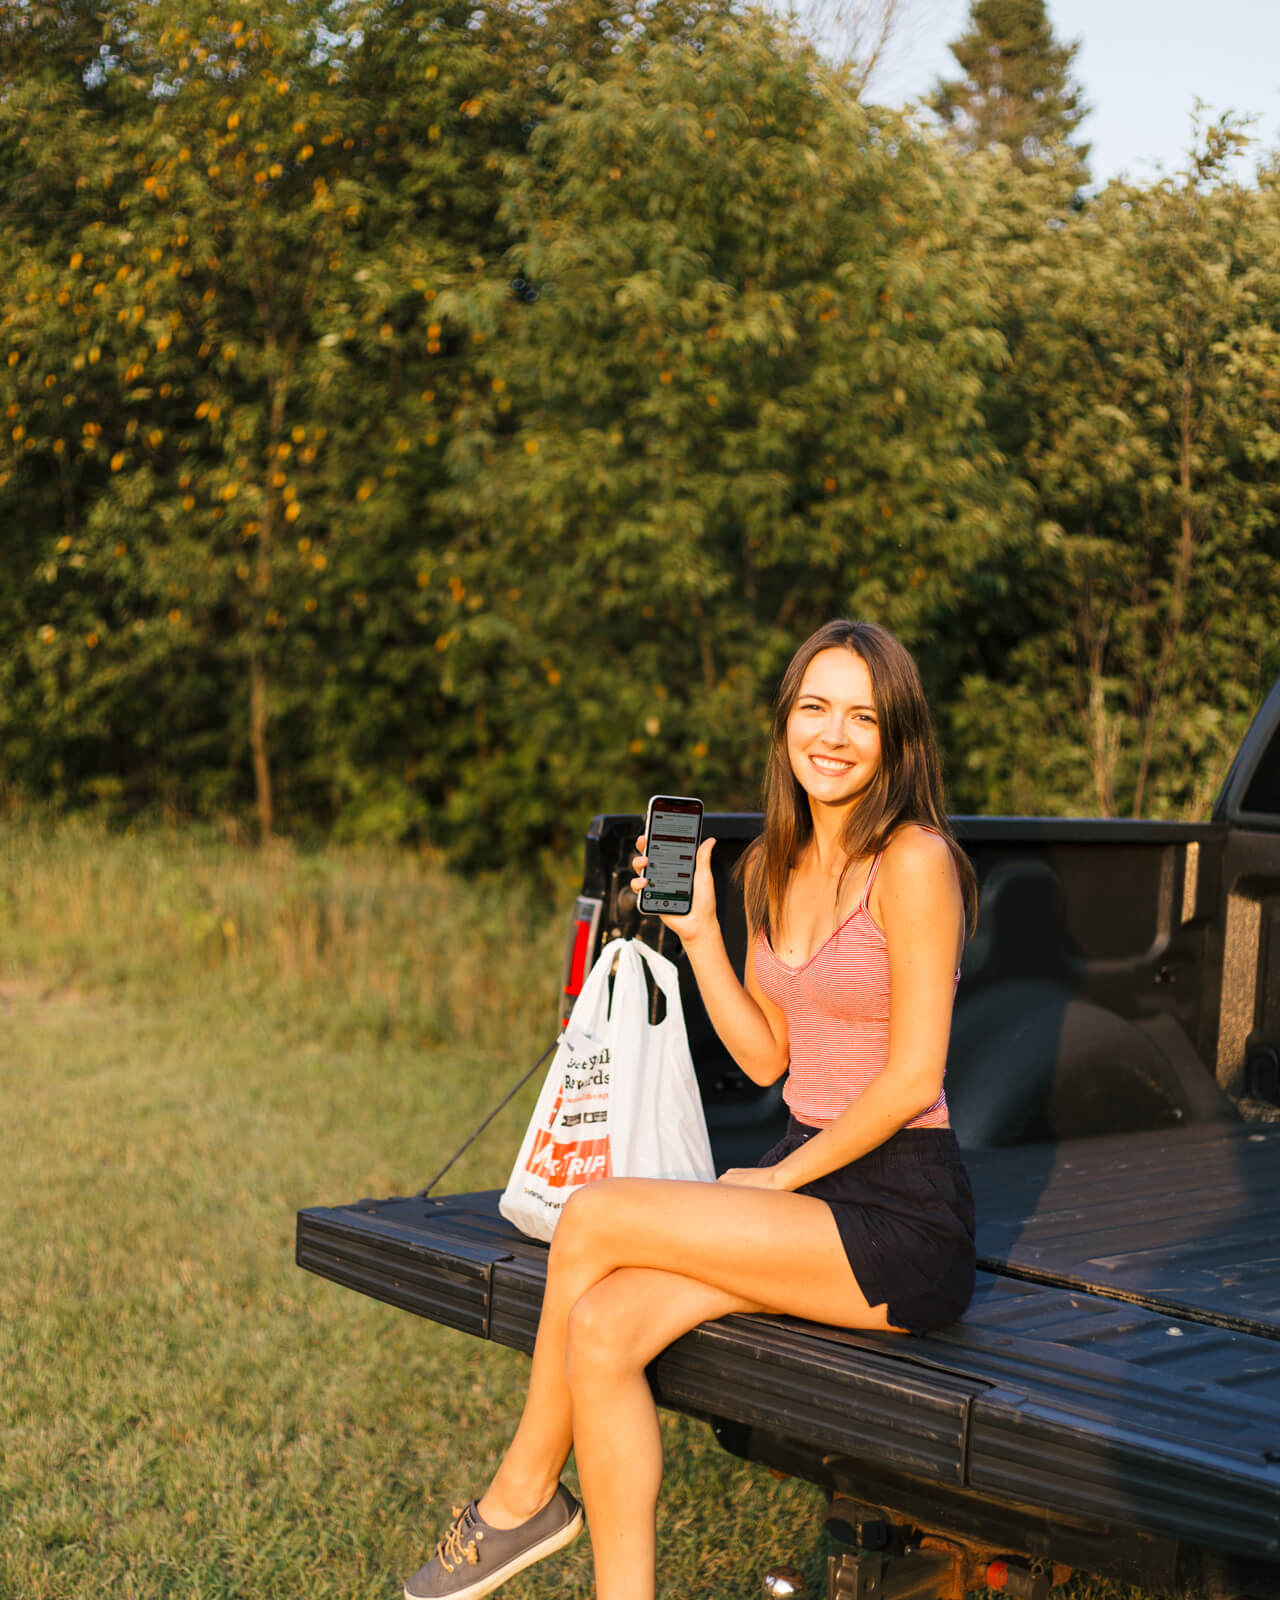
point(701, 916)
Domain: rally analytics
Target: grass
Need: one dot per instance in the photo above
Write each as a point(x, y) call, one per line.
point(195, 1040)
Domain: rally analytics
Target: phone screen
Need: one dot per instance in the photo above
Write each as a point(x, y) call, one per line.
point(673, 826)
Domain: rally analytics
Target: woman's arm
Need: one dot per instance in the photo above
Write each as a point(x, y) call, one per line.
point(918, 902)
point(752, 1029)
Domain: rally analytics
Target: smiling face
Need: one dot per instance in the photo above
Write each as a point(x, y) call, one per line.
point(833, 736)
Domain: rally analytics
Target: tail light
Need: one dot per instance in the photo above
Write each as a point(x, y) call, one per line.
point(582, 939)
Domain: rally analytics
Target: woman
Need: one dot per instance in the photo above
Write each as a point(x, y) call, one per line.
point(862, 1216)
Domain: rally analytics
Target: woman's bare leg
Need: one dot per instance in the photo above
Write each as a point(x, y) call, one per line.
point(615, 1330)
point(760, 1249)
point(529, 1471)
point(679, 1255)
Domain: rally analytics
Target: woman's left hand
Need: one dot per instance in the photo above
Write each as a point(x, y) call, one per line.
point(751, 1178)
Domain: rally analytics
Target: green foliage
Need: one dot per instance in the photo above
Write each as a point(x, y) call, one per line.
point(747, 399)
point(442, 424)
point(1142, 410)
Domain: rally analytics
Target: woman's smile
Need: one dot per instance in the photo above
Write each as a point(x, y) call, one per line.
point(831, 765)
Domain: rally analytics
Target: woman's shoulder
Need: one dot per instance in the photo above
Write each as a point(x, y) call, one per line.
point(917, 856)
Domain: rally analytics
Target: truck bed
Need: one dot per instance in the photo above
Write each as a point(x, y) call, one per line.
point(1119, 1368)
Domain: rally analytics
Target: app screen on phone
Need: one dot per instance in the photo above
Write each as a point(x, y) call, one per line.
point(672, 845)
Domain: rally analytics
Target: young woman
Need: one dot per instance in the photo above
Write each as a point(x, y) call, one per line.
point(857, 900)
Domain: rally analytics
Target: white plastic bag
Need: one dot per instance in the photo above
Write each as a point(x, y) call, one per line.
point(620, 1100)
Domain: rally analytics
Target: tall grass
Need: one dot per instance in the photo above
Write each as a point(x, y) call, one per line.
point(195, 1040)
point(385, 939)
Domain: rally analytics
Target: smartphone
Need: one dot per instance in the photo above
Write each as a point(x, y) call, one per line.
point(673, 829)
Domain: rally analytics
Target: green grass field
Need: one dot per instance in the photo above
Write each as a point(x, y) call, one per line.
point(196, 1040)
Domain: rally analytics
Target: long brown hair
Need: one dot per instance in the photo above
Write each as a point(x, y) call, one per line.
point(907, 786)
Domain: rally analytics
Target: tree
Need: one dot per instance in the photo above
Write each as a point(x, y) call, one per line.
point(1144, 380)
point(746, 400)
point(1016, 91)
point(250, 261)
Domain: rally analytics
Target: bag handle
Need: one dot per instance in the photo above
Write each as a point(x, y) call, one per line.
point(662, 970)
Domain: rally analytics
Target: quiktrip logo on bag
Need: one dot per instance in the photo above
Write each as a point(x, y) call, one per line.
point(563, 1165)
point(582, 1101)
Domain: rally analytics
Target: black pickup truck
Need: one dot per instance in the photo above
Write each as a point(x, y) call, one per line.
point(1111, 1401)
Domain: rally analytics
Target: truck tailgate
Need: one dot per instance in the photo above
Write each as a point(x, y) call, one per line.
point(1095, 1376)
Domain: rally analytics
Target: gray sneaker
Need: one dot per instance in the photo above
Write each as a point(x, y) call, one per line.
point(473, 1559)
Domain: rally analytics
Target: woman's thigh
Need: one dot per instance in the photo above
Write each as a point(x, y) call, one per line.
point(768, 1249)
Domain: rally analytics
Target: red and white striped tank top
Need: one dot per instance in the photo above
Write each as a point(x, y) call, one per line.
point(837, 1010)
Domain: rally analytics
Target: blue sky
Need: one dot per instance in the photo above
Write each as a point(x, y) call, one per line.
point(1142, 64)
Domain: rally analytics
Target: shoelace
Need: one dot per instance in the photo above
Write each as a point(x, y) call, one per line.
point(455, 1547)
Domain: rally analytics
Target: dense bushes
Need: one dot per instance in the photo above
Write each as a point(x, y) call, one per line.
point(444, 423)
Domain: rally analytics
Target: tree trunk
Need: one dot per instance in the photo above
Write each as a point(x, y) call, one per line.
point(258, 744)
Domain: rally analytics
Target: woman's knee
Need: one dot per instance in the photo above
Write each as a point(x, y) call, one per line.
point(588, 1219)
point(599, 1343)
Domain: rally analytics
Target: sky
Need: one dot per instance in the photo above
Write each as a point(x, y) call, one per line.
point(1142, 64)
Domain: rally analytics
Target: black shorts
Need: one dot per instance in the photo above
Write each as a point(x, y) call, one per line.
point(905, 1215)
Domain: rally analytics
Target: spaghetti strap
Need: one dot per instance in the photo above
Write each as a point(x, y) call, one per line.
point(875, 861)
point(871, 878)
